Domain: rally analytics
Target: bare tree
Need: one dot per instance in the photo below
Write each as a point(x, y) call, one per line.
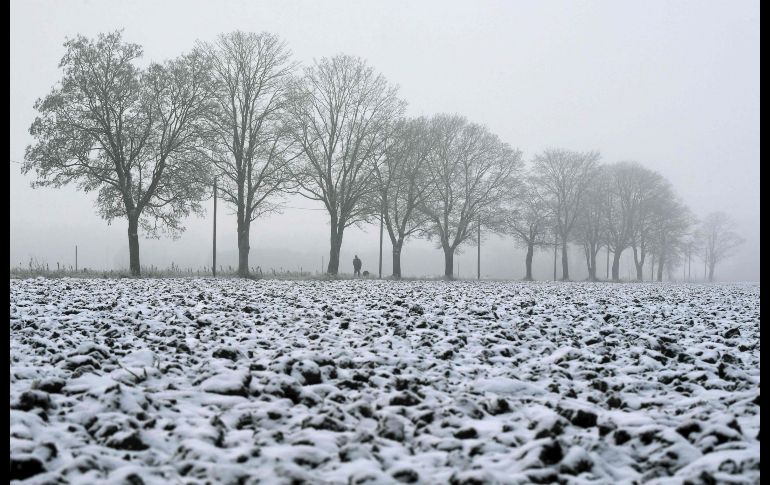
point(339, 117)
point(249, 145)
point(526, 216)
point(469, 172)
point(717, 232)
point(563, 177)
point(401, 182)
point(627, 190)
point(590, 227)
point(654, 199)
point(671, 224)
point(132, 135)
point(691, 246)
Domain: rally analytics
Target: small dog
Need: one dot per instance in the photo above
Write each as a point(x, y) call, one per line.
point(365, 274)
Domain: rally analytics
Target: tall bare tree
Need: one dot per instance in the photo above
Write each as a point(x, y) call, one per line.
point(719, 238)
point(249, 145)
point(564, 176)
point(671, 224)
point(627, 189)
point(526, 216)
point(402, 183)
point(339, 117)
point(655, 200)
point(691, 246)
point(132, 135)
point(469, 172)
point(590, 228)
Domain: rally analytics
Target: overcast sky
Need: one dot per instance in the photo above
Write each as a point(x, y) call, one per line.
point(673, 85)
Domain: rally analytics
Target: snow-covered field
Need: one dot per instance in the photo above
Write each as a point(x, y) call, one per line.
point(228, 381)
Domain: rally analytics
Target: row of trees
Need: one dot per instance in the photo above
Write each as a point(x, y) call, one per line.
point(569, 198)
point(152, 141)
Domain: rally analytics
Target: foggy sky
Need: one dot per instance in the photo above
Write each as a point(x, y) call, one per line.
point(673, 85)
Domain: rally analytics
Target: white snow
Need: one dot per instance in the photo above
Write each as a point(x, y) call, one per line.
point(231, 381)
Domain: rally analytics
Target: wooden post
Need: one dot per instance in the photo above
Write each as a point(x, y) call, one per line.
point(214, 237)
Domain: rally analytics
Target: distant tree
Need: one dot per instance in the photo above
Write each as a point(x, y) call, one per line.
point(526, 217)
point(655, 200)
point(671, 264)
point(590, 226)
point(249, 148)
point(339, 117)
point(691, 246)
point(469, 172)
point(563, 177)
point(719, 238)
point(401, 182)
point(132, 135)
point(628, 186)
point(668, 234)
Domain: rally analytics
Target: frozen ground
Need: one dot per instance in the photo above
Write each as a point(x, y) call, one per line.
point(227, 381)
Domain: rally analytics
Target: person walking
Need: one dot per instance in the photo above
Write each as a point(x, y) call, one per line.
point(356, 266)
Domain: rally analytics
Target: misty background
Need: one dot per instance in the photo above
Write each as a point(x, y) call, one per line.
point(674, 86)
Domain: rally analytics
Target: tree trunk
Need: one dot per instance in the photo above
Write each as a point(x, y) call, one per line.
point(133, 245)
point(564, 263)
point(449, 256)
point(639, 264)
point(652, 267)
point(711, 272)
point(639, 271)
point(243, 249)
point(592, 265)
point(334, 251)
point(397, 260)
point(528, 261)
point(616, 265)
point(661, 264)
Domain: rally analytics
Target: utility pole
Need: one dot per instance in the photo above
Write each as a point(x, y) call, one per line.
point(381, 213)
point(478, 253)
point(607, 266)
point(76, 258)
point(555, 247)
point(214, 240)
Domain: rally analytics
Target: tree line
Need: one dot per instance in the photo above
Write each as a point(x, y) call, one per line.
point(239, 112)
